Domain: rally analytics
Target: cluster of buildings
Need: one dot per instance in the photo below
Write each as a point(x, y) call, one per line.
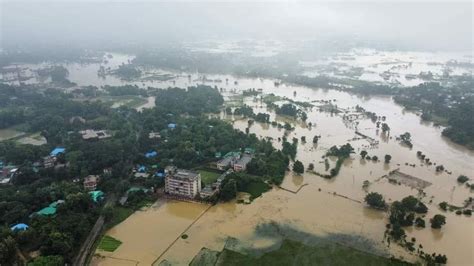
point(236, 160)
point(51, 160)
point(7, 172)
point(187, 183)
point(90, 134)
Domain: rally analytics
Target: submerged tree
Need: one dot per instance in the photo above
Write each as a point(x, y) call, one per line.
point(298, 167)
point(375, 200)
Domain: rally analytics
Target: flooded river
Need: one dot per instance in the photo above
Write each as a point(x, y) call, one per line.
point(326, 208)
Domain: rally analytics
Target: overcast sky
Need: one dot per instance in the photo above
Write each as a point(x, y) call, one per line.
point(422, 25)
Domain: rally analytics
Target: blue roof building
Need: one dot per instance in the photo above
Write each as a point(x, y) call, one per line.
point(151, 154)
point(57, 151)
point(171, 126)
point(141, 169)
point(19, 227)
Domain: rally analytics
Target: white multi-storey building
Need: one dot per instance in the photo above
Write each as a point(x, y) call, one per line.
point(182, 182)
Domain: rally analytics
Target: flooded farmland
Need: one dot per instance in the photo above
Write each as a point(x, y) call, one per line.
point(329, 208)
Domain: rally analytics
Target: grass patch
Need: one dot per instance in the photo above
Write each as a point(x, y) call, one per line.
point(131, 101)
point(109, 244)
point(296, 253)
point(208, 177)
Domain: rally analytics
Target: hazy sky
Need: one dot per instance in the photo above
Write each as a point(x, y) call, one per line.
point(426, 25)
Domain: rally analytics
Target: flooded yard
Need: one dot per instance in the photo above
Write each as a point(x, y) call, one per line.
point(331, 208)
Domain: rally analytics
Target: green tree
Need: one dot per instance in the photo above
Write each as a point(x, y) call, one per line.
point(375, 200)
point(388, 157)
point(463, 179)
point(47, 261)
point(229, 190)
point(363, 153)
point(7, 251)
point(298, 167)
point(438, 221)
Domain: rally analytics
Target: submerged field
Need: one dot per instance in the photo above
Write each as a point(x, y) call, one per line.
point(295, 253)
point(311, 204)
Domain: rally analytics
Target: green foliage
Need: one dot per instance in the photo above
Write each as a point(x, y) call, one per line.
point(298, 167)
point(363, 153)
point(127, 71)
point(7, 250)
point(387, 158)
point(241, 182)
point(343, 151)
point(245, 111)
point(463, 179)
point(228, 190)
point(271, 165)
point(47, 261)
point(419, 222)
point(289, 149)
point(295, 253)
point(375, 200)
point(444, 205)
point(438, 221)
point(194, 101)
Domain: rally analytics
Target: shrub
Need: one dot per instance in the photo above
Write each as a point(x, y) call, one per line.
point(463, 179)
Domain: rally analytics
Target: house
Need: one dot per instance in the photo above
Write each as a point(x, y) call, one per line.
point(90, 182)
point(7, 173)
point(49, 161)
point(228, 161)
point(19, 227)
point(90, 134)
point(154, 135)
point(57, 151)
point(96, 195)
point(241, 164)
point(51, 209)
point(151, 154)
point(180, 182)
point(171, 125)
point(207, 192)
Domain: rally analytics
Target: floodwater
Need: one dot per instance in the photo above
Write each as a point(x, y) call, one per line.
point(148, 236)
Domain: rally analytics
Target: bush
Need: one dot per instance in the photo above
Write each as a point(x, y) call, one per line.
point(438, 221)
point(444, 206)
point(298, 167)
point(463, 179)
point(375, 200)
point(419, 222)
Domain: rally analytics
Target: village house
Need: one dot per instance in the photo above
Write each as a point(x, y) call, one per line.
point(241, 164)
point(228, 161)
point(49, 161)
point(90, 182)
point(90, 134)
point(180, 182)
point(154, 135)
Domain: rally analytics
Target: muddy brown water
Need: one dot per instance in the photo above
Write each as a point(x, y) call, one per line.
point(147, 234)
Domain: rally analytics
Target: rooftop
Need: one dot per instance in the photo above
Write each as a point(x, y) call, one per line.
point(57, 151)
point(185, 175)
point(244, 160)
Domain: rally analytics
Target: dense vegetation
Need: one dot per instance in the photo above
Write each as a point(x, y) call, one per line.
point(191, 142)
